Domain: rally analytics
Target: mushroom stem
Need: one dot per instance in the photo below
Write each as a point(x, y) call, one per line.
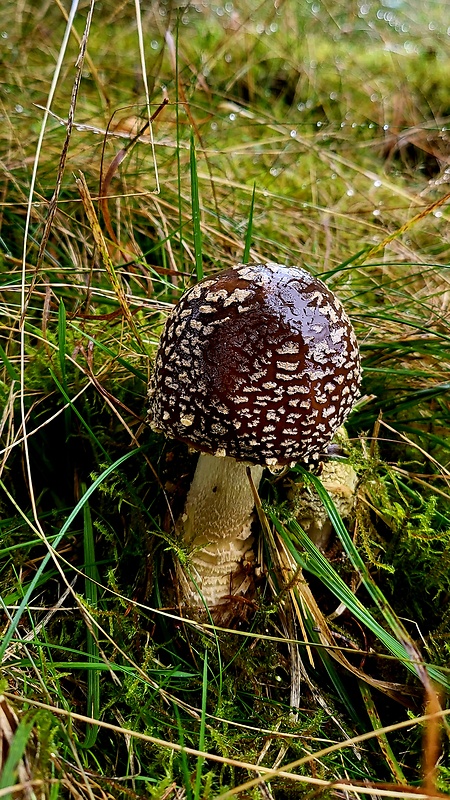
point(216, 526)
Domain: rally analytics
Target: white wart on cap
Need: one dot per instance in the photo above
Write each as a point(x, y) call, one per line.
point(259, 363)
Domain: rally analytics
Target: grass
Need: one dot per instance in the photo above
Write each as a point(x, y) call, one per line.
point(141, 148)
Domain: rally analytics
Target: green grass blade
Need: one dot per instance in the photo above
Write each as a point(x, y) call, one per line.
point(195, 210)
point(248, 235)
point(62, 328)
point(201, 742)
point(13, 374)
point(183, 756)
point(91, 592)
point(394, 766)
point(16, 751)
point(178, 130)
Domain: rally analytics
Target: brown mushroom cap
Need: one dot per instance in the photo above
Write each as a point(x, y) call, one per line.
point(259, 363)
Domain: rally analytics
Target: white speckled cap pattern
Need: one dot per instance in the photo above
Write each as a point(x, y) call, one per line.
point(259, 363)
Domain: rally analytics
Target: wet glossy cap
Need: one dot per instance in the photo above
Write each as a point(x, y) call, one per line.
point(259, 363)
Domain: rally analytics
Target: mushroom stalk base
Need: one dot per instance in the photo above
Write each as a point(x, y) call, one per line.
point(216, 526)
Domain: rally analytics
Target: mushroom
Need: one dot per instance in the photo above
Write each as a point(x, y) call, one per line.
point(258, 365)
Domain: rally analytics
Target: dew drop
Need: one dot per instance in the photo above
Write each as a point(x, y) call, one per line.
point(154, 44)
point(437, 213)
point(18, 108)
point(232, 117)
point(4, 35)
point(377, 184)
point(350, 192)
point(376, 212)
point(293, 134)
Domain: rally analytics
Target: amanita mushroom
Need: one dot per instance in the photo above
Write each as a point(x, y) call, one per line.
point(257, 365)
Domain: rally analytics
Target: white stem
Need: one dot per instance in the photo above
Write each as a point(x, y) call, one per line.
point(216, 525)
